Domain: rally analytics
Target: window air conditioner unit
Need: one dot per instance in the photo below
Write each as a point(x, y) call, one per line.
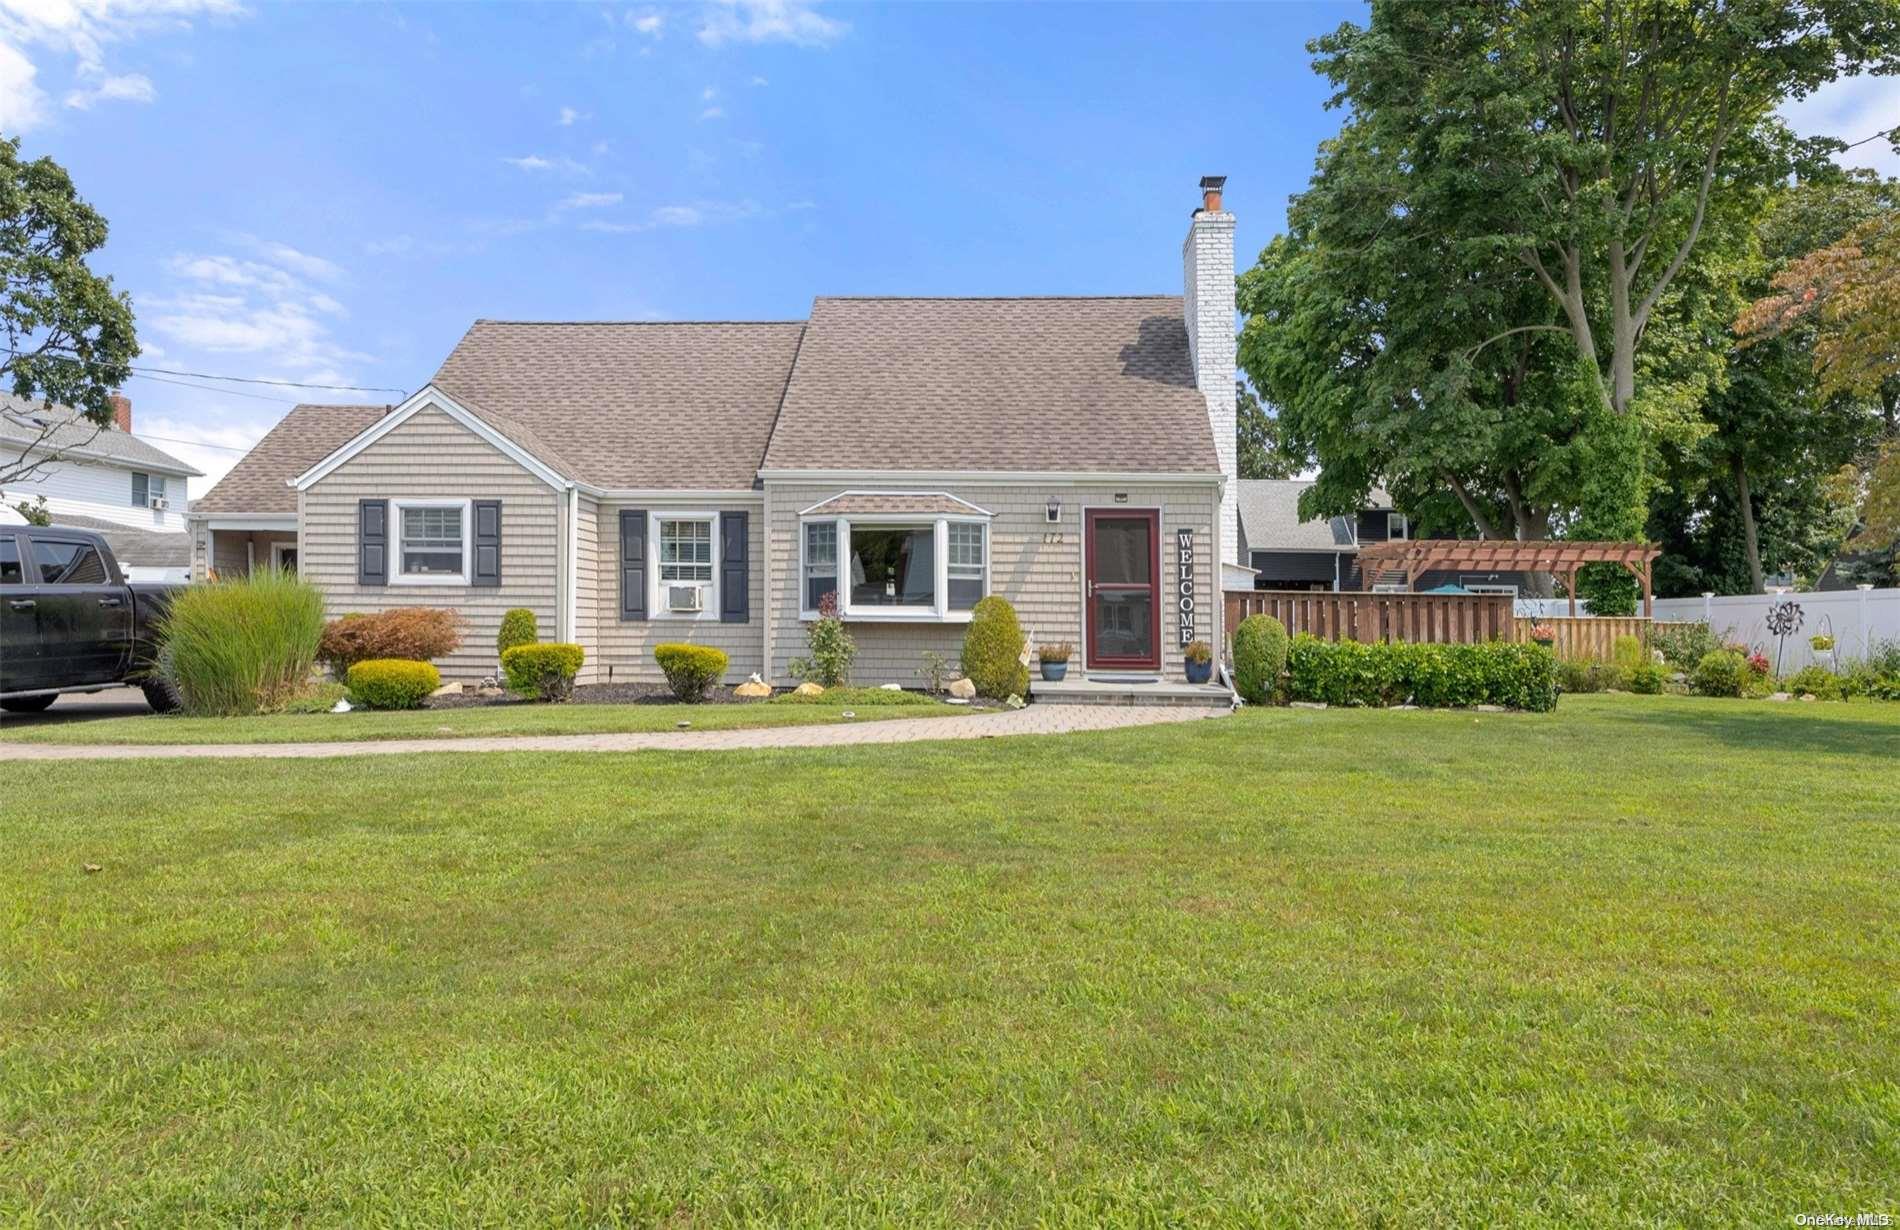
point(1389, 589)
point(683, 597)
point(160, 503)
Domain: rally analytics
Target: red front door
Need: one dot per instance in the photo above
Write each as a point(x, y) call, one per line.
point(1123, 553)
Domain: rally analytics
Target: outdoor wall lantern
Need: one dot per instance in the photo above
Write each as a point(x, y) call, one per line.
point(1055, 510)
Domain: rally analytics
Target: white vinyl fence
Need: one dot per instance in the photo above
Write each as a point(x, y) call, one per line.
point(1855, 618)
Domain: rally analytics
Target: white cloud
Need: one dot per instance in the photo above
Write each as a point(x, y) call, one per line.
point(537, 162)
point(569, 115)
point(713, 113)
point(395, 245)
point(653, 25)
point(708, 94)
point(1851, 109)
point(760, 81)
point(591, 200)
point(131, 87)
point(299, 262)
point(22, 102)
point(681, 217)
point(213, 449)
point(82, 30)
point(769, 21)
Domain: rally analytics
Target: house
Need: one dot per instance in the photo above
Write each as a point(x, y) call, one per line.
point(639, 483)
point(103, 479)
point(1287, 552)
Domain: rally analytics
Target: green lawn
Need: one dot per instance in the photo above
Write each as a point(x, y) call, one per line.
point(463, 723)
point(1634, 962)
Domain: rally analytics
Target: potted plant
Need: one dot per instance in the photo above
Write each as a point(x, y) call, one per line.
point(1822, 643)
point(1199, 656)
point(1055, 659)
point(1543, 634)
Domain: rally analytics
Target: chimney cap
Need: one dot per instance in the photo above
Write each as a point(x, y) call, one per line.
point(1213, 183)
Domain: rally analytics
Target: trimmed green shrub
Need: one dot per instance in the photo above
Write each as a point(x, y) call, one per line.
point(1628, 653)
point(1648, 678)
point(543, 671)
point(830, 646)
point(1434, 676)
point(1260, 648)
point(861, 698)
point(1579, 675)
point(392, 683)
point(1720, 673)
point(993, 649)
point(1817, 681)
point(517, 628)
point(417, 633)
point(1683, 645)
point(240, 647)
point(690, 669)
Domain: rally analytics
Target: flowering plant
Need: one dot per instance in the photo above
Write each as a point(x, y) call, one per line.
point(1758, 663)
point(1543, 634)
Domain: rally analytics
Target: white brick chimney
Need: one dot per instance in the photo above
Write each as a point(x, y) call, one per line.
point(1207, 259)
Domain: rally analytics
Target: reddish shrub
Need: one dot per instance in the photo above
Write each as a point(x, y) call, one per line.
point(417, 633)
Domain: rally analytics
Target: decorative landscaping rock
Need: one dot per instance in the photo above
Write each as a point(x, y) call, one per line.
point(448, 689)
point(1491, 709)
point(808, 688)
point(890, 687)
point(1307, 704)
point(963, 689)
point(1809, 696)
point(752, 688)
point(1781, 696)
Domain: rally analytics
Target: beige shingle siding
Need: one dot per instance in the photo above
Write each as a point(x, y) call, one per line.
point(587, 573)
point(1042, 579)
point(627, 645)
point(433, 456)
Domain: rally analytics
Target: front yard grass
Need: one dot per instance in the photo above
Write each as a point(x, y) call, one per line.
point(518, 719)
point(1633, 962)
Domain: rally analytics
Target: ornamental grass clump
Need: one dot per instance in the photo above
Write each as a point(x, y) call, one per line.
point(241, 647)
point(690, 670)
point(392, 683)
point(993, 650)
point(543, 672)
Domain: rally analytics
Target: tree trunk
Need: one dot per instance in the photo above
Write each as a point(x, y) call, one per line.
point(1530, 524)
point(1751, 544)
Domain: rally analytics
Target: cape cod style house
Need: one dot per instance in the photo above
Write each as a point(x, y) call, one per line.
point(634, 484)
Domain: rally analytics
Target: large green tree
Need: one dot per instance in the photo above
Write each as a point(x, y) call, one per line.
point(69, 335)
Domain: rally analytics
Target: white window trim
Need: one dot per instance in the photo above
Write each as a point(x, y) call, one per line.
point(656, 588)
point(1405, 527)
point(396, 575)
point(277, 550)
point(937, 612)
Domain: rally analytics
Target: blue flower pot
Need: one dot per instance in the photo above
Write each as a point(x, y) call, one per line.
point(1200, 672)
point(1054, 671)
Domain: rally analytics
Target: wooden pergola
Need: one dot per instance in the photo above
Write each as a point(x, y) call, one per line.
point(1417, 556)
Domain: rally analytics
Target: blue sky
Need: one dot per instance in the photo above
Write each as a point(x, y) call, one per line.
point(331, 193)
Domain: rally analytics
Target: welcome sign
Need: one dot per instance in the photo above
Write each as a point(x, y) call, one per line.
point(1184, 583)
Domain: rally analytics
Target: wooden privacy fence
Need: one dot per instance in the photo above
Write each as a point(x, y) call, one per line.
point(1442, 619)
point(1588, 638)
point(1449, 619)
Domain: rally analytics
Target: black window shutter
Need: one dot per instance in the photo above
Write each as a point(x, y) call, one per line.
point(372, 542)
point(633, 563)
point(734, 570)
point(487, 569)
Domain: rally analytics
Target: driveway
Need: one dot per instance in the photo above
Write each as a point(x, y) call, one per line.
point(83, 706)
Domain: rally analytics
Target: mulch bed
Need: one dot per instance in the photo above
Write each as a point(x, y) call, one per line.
point(592, 694)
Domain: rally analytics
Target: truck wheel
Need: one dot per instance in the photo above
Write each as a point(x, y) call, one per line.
point(161, 696)
point(28, 704)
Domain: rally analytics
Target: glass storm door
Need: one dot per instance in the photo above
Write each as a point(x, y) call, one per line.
point(1124, 589)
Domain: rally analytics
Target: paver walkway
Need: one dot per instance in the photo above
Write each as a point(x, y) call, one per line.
point(1034, 720)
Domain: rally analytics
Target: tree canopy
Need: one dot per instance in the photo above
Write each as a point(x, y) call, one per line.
point(70, 336)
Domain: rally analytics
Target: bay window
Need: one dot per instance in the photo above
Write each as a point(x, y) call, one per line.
point(895, 568)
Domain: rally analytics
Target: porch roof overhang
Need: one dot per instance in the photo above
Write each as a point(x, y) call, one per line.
point(1561, 556)
point(896, 503)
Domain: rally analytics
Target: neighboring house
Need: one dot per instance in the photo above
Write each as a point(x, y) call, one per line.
point(634, 484)
point(104, 479)
point(249, 518)
point(1288, 553)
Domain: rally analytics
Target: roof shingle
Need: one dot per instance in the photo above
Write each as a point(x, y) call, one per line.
point(24, 422)
point(260, 482)
point(1073, 384)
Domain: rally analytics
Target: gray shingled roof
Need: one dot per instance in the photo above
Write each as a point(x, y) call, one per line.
point(686, 405)
point(302, 438)
point(1270, 517)
point(131, 545)
point(893, 502)
point(1075, 384)
point(22, 420)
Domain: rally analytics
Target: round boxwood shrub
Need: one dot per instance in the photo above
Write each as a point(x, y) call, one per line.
point(1721, 673)
point(1647, 678)
point(690, 669)
point(544, 672)
point(517, 628)
point(993, 650)
point(1260, 645)
point(392, 683)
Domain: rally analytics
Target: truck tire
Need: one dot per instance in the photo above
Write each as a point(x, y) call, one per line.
point(28, 704)
point(160, 695)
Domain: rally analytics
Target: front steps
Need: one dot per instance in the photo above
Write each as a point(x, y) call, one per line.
point(1077, 689)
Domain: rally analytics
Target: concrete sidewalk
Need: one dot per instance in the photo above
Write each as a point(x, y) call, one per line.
point(1034, 720)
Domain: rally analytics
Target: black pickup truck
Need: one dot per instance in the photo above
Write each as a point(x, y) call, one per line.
point(69, 622)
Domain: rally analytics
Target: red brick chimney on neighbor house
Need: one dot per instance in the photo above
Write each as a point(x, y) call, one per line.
point(121, 411)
